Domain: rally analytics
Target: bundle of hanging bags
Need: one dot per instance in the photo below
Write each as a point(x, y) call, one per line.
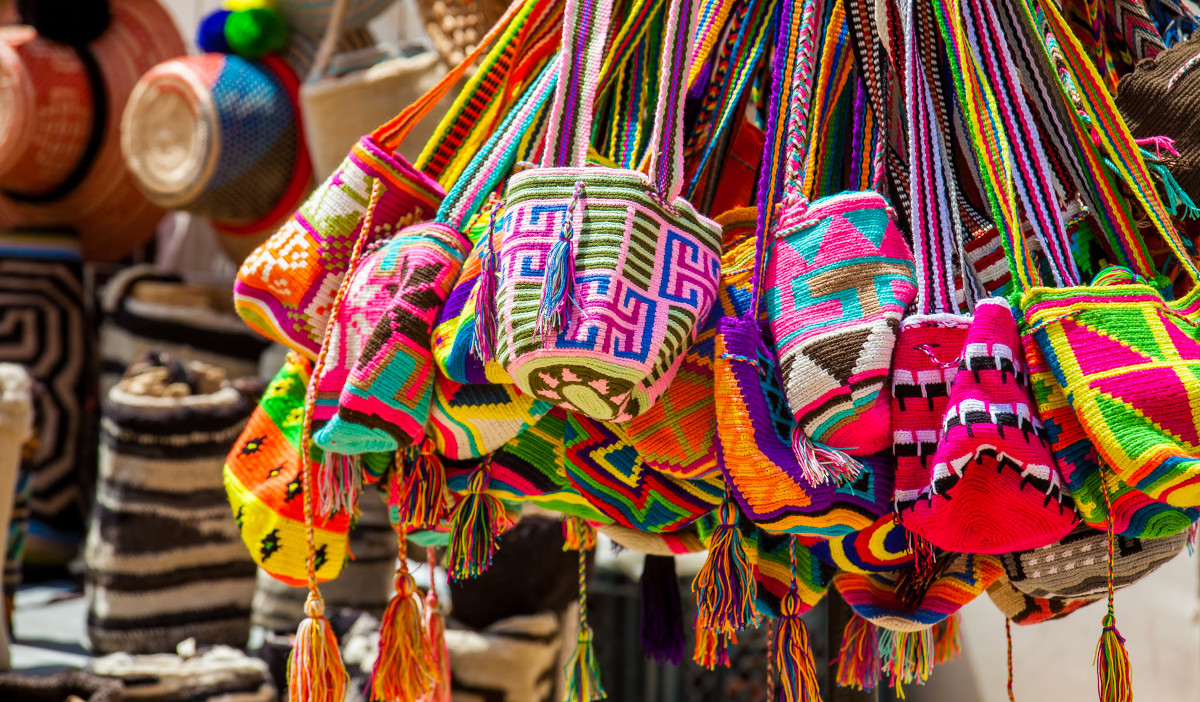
point(877, 294)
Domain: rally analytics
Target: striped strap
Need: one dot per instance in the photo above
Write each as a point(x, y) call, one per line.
point(584, 37)
point(835, 66)
point(666, 155)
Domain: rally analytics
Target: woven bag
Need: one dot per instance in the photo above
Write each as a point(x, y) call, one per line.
point(285, 289)
point(754, 423)
point(471, 420)
point(1026, 609)
point(837, 281)
point(881, 547)
point(605, 274)
point(975, 472)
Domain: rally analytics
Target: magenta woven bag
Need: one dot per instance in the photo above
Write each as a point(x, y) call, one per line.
point(604, 274)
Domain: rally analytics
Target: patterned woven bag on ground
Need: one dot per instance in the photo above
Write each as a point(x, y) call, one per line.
point(837, 281)
point(605, 275)
point(1077, 566)
point(754, 423)
point(164, 562)
point(264, 477)
point(1026, 609)
point(380, 366)
point(286, 288)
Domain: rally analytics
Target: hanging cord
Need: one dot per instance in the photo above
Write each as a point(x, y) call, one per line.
point(1008, 636)
point(1114, 676)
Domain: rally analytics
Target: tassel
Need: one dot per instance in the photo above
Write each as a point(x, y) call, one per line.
point(907, 657)
point(1114, 675)
point(559, 292)
point(405, 668)
point(1192, 532)
point(859, 666)
point(435, 635)
point(821, 464)
point(475, 528)
point(578, 535)
point(947, 639)
point(712, 648)
point(793, 654)
point(914, 582)
point(424, 487)
point(1159, 143)
point(485, 294)
point(661, 628)
point(583, 671)
point(315, 670)
point(339, 484)
point(725, 586)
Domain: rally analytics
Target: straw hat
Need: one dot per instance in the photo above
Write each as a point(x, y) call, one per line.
point(60, 159)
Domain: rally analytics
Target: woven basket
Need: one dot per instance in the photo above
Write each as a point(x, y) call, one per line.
point(456, 26)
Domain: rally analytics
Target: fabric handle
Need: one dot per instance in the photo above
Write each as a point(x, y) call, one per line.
point(584, 38)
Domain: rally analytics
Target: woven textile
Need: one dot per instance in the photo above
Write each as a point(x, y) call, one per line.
point(1077, 566)
point(218, 674)
point(285, 289)
point(960, 579)
point(878, 548)
point(610, 473)
point(264, 478)
point(164, 562)
point(383, 401)
point(755, 425)
point(472, 420)
point(773, 571)
point(992, 485)
point(837, 282)
point(605, 274)
point(1026, 609)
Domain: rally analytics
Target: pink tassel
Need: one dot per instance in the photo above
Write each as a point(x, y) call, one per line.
point(485, 295)
point(821, 464)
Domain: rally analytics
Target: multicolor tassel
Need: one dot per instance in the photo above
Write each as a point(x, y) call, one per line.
point(475, 528)
point(485, 293)
point(914, 582)
point(435, 635)
point(712, 647)
point(1114, 675)
point(559, 292)
point(661, 627)
point(405, 667)
point(907, 657)
point(793, 654)
point(578, 535)
point(583, 671)
point(1193, 531)
point(725, 586)
point(341, 480)
point(424, 502)
point(820, 464)
point(859, 665)
point(947, 639)
point(315, 669)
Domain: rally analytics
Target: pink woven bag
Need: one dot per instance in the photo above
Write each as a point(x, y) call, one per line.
point(605, 274)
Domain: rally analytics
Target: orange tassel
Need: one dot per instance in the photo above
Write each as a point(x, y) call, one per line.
point(315, 669)
point(712, 648)
point(1114, 675)
point(793, 654)
point(947, 639)
point(858, 660)
point(404, 669)
point(578, 535)
point(435, 635)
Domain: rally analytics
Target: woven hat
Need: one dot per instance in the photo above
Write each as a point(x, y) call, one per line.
point(60, 160)
point(1077, 565)
point(1026, 609)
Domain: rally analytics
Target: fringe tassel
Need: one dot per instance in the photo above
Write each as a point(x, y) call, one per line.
point(947, 639)
point(1114, 675)
point(661, 626)
point(583, 672)
point(712, 648)
point(578, 535)
point(339, 484)
point(424, 487)
point(1176, 196)
point(907, 657)
point(859, 666)
point(485, 294)
point(725, 586)
point(435, 635)
point(475, 528)
point(405, 668)
point(315, 669)
point(559, 293)
point(793, 654)
point(821, 464)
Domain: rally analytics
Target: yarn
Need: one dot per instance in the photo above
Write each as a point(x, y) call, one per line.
point(405, 668)
point(907, 657)
point(315, 670)
point(793, 655)
point(74, 22)
point(255, 32)
point(424, 497)
point(210, 35)
point(947, 639)
point(435, 634)
point(859, 666)
point(660, 628)
point(583, 670)
point(725, 587)
point(712, 648)
point(475, 528)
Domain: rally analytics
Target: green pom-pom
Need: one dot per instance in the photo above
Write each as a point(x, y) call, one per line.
point(255, 32)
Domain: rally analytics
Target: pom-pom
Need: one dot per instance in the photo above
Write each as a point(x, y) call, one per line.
point(315, 669)
point(725, 586)
point(661, 627)
point(210, 36)
point(858, 659)
point(74, 22)
point(255, 32)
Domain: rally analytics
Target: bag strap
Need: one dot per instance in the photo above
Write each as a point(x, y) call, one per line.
point(833, 74)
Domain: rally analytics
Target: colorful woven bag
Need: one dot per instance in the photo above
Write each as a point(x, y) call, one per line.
point(838, 279)
point(1026, 609)
point(264, 478)
point(754, 423)
point(606, 275)
point(471, 420)
point(285, 289)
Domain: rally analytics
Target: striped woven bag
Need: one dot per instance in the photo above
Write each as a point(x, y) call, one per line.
point(285, 288)
point(605, 275)
point(975, 471)
point(754, 423)
point(837, 281)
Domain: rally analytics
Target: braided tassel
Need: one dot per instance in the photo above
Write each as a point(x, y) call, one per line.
point(405, 668)
point(820, 464)
point(858, 659)
point(712, 647)
point(424, 500)
point(554, 311)
point(947, 639)
point(725, 587)
point(485, 294)
point(435, 635)
point(475, 528)
point(583, 671)
point(1114, 675)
